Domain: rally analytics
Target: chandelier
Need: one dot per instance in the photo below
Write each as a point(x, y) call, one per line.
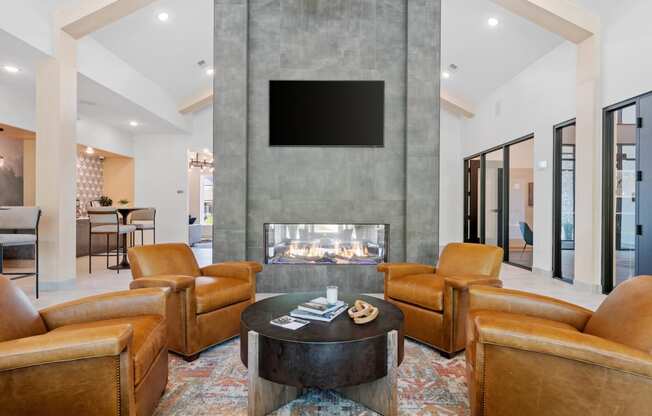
point(203, 164)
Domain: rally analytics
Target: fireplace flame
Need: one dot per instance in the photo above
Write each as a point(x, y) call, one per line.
point(316, 250)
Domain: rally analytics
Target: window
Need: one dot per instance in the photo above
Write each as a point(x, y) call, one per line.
point(206, 199)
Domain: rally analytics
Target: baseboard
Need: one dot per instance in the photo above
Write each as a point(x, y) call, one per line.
point(587, 287)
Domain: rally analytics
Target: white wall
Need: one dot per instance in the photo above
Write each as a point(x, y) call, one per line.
point(626, 40)
point(161, 181)
point(533, 102)
point(451, 193)
point(202, 130)
point(101, 136)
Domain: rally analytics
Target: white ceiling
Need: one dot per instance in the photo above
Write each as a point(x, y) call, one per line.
point(167, 53)
point(487, 57)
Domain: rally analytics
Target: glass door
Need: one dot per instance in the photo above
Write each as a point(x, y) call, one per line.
point(564, 202)
point(472, 200)
point(520, 247)
point(494, 192)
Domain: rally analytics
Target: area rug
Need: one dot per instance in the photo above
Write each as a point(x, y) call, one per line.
point(216, 384)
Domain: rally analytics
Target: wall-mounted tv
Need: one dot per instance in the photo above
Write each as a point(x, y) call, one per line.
point(326, 113)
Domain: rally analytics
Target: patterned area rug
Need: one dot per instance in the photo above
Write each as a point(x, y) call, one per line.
point(216, 384)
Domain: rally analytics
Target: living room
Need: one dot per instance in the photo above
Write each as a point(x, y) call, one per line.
point(324, 207)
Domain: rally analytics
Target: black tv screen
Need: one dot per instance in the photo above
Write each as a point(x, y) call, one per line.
point(326, 113)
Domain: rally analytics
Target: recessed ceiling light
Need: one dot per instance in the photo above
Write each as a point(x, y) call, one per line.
point(90, 150)
point(445, 74)
point(163, 17)
point(493, 22)
point(210, 72)
point(134, 123)
point(11, 69)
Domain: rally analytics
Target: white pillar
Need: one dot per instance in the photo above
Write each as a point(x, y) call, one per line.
point(588, 164)
point(56, 117)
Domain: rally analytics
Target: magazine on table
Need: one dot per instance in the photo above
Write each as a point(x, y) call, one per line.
point(289, 322)
point(326, 317)
point(320, 306)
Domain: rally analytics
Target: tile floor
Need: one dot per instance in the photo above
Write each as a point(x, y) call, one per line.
point(103, 280)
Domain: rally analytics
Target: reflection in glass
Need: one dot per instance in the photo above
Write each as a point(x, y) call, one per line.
point(521, 203)
point(625, 193)
point(567, 233)
point(494, 171)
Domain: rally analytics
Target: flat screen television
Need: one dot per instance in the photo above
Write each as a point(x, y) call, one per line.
point(326, 113)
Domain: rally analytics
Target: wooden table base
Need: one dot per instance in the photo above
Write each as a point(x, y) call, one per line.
point(380, 396)
point(264, 396)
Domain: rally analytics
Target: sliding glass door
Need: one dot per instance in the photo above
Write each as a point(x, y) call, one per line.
point(499, 199)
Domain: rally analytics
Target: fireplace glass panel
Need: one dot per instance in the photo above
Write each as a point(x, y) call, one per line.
point(326, 244)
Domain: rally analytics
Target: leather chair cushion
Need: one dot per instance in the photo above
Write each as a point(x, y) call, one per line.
point(625, 316)
point(425, 290)
point(217, 292)
point(149, 338)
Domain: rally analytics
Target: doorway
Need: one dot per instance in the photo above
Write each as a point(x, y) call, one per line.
point(499, 200)
point(564, 201)
point(627, 193)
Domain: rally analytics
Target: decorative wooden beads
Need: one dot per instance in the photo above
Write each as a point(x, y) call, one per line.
point(363, 312)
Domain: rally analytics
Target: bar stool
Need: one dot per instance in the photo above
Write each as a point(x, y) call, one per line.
point(106, 220)
point(23, 224)
point(144, 220)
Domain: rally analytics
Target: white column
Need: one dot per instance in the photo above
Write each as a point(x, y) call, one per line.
point(588, 164)
point(56, 117)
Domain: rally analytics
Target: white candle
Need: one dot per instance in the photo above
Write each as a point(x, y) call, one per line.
point(331, 294)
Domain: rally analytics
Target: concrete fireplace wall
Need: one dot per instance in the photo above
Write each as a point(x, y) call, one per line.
point(396, 41)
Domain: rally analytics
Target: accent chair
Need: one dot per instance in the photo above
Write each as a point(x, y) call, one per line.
point(206, 303)
point(434, 299)
point(101, 355)
point(533, 355)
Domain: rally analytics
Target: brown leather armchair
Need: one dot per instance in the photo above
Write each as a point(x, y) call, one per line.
point(533, 355)
point(101, 355)
point(205, 305)
point(434, 299)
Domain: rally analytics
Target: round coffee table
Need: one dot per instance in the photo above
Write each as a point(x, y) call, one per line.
point(360, 361)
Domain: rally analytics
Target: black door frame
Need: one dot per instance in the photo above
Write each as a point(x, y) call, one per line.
point(608, 189)
point(505, 214)
point(556, 199)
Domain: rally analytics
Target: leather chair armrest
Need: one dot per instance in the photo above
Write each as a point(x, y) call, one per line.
point(562, 343)
point(176, 283)
point(523, 303)
point(394, 270)
point(465, 282)
point(65, 346)
point(245, 270)
point(107, 306)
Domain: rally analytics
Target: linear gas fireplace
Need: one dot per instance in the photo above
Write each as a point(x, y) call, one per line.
point(326, 244)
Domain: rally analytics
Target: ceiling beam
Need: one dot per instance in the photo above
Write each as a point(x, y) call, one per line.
point(89, 16)
point(457, 105)
point(563, 17)
point(197, 102)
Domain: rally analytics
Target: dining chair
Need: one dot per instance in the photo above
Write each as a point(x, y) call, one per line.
point(528, 235)
point(19, 227)
point(143, 220)
point(106, 221)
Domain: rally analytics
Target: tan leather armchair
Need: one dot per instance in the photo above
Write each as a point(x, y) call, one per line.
point(533, 355)
point(101, 355)
point(205, 305)
point(434, 299)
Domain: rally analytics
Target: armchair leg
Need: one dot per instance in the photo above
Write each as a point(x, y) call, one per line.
point(190, 358)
